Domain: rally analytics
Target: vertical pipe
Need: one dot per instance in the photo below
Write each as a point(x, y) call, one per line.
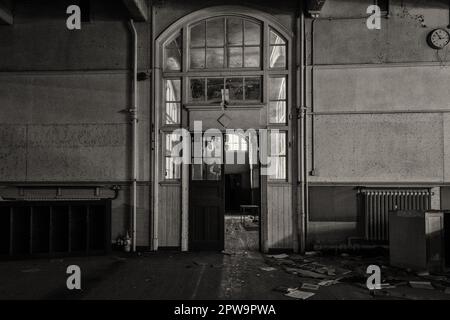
point(366, 213)
point(301, 124)
point(155, 135)
point(134, 124)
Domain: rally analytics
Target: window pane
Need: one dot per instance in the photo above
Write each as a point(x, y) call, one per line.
point(235, 57)
point(172, 113)
point(215, 87)
point(252, 57)
point(252, 33)
point(173, 90)
point(253, 89)
point(277, 112)
point(277, 143)
point(235, 31)
point(173, 54)
point(197, 90)
point(172, 140)
point(215, 32)
point(278, 168)
point(277, 57)
point(173, 171)
point(212, 149)
point(236, 88)
point(277, 89)
point(197, 172)
point(213, 172)
point(173, 59)
point(214, 58)
point(197, 58)
point(198, 35)
point(276, 39)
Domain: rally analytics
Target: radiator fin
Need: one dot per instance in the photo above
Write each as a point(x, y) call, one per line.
point(378, 203)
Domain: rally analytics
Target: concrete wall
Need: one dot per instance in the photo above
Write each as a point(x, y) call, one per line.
point(63, 95)
point(380, 100)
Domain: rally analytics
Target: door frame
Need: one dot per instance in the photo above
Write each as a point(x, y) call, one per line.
point(156, 101)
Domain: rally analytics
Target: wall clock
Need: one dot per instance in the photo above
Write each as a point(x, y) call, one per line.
point(438, 39)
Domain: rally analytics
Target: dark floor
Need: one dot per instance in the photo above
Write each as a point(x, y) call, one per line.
point(178, 276)
point(241, 233)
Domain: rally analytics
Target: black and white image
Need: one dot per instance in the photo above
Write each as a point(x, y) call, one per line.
point(215, 150)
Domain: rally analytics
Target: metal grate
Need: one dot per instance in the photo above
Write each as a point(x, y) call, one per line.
point(377, 203)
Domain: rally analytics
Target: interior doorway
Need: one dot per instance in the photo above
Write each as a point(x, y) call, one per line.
point(225, 198)
point(242, 196)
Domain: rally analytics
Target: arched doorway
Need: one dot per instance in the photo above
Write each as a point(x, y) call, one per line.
point(227, 68)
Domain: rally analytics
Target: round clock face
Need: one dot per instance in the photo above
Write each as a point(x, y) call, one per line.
point(439, 38)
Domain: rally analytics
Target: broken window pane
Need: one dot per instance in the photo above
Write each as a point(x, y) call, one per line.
point(214, 58)
point(276, 39)
point(252, 58)
point(198, 35)
point(236, 88)
point(215, 32)
point(252, 33)
point(235, 57)
point(173, 90)
point(234, 31)
point(214, 89)
point(197, 58)
point(253, 88)
point(197, 90)
point(172, 113)
point(173, 59)
point(173, 54)
point(172, 168)
point(277, 57)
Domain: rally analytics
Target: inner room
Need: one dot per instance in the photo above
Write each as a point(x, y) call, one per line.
point(242, 196)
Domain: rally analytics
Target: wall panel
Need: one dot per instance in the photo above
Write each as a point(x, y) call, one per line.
point(280, 228)
point(378, 148)
point(169, 220)
point(405, 88)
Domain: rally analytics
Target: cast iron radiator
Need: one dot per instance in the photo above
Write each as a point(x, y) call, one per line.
point(377, 203)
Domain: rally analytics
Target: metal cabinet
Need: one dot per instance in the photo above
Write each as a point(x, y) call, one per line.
point(417, 240)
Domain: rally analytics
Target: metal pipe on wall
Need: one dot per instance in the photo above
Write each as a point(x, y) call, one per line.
point(155, 136)
point(302, 147)
point(134, 128)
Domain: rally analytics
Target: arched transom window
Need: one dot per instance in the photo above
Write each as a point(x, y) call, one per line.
point(225, 61)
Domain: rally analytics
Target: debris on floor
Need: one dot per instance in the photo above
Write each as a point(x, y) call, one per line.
point(32, 270)
point(318, 270)
point(297, 294)
point(268, 269)
point(310, 286)
point(279, 256)
point(421, 285)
